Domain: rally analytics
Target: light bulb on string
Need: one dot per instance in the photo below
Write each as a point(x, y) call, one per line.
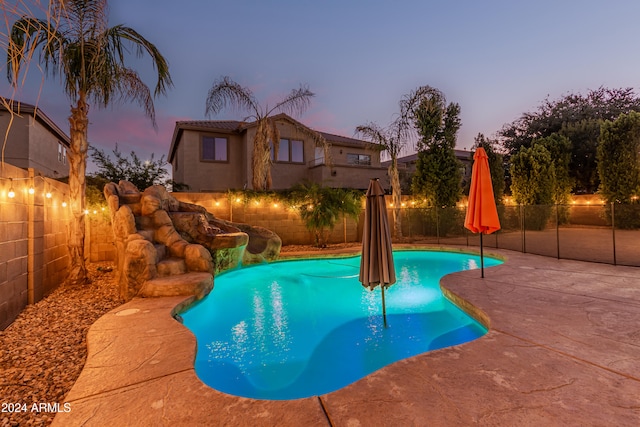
point(11, 194)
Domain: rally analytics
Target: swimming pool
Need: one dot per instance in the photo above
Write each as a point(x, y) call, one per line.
point(301, 328)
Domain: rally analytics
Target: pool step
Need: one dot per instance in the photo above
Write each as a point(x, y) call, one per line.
point(171, 266)
point(194, 283)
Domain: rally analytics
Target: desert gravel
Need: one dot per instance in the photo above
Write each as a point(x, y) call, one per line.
point(43, 351)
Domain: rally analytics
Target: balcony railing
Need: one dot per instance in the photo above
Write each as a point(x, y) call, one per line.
point(320, 161)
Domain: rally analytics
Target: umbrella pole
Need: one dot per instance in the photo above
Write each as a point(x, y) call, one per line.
point(481, 257)
point(384, 308)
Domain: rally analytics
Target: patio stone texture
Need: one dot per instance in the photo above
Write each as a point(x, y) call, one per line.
point(563, 349)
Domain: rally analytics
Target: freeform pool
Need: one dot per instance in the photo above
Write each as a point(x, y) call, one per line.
point(301, 328)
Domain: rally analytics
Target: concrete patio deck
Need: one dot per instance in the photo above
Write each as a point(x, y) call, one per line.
point(563, 349)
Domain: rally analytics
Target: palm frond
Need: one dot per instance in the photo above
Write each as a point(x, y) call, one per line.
point(115, 35)
point(82, 19)
point(295, 103)
point(131, 87)
point(27, 36)
point(373, 133)
point(227, 93)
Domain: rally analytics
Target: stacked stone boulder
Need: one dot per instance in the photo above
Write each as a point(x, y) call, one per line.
point(166, 247)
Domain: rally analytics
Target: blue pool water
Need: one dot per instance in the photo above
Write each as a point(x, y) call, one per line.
point(295, 329)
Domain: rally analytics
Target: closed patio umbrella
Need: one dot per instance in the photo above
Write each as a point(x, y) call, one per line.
point(376, 266)
point(482, 214)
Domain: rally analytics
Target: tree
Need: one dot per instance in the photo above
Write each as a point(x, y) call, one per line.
point(583, 166)
point(438, 177)
point(393, 139)
point(496, 165)
point(578, 118)
point(90, 57)
point(618, 158)
point(559, 148)
point(320, 207)
point(131, 168)
point(225, 92)
point(532, 183)
point(533, 176)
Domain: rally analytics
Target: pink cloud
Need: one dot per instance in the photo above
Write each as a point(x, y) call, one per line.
point(132, 131)
point(324, 121)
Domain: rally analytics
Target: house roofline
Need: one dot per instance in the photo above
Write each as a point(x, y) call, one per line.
point(209, 126)
point(20, 108)
point(460, 154)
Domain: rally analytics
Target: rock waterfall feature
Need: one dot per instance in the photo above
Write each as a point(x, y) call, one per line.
point(165, 247)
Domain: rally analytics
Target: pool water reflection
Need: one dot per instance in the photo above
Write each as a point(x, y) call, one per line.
point(295, 329)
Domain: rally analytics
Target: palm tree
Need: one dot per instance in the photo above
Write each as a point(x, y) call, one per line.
point(393, 139)
point(320, 207)
point(76, 42)
point(225, 92)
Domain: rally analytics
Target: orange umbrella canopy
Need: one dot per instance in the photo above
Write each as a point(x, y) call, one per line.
point(482, 215)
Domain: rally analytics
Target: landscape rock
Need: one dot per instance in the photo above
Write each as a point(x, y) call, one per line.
point(151, 225)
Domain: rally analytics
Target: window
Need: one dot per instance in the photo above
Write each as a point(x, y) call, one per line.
point(290, 150)
point(62, 153)
point(359, 159)
point(214, 149)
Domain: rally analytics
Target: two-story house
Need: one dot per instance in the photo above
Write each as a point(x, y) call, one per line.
point(32, 140)
point(215, 155)
point(407, 167)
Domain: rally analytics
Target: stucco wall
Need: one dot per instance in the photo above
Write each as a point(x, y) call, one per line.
point(43, 146)
point(208, 176)
point(31, 145)
point(16, 151)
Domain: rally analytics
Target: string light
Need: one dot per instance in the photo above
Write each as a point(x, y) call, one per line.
point(31, 190)
point(11, 194)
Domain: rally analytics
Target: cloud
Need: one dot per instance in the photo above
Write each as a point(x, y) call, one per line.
point(131, 130)
point(325, 121)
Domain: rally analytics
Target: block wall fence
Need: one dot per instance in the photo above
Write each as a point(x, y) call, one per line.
point(33, 239)
point(285, 222)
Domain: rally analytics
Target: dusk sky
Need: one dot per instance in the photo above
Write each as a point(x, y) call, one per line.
point(497, 59)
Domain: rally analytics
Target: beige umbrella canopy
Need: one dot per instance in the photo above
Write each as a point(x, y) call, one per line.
point(376, 266)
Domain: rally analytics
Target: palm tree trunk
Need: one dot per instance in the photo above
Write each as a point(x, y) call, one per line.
point(260, 151)
point(79, 122)
point(396, 194)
